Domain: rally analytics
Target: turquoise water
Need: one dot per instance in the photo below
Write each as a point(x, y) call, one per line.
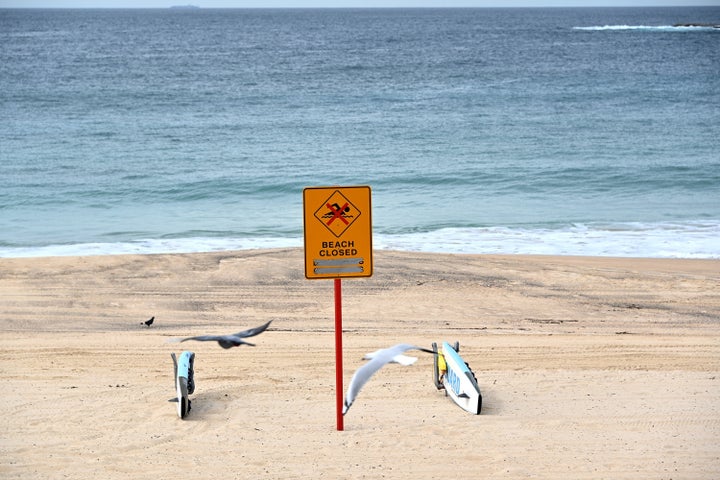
point(560, 131)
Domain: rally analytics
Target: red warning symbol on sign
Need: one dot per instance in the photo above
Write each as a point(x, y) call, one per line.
point(337, 213)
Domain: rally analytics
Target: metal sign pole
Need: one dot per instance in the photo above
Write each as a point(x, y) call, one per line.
point(338, 354)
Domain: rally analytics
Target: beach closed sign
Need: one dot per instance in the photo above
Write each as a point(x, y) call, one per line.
point(338, 232)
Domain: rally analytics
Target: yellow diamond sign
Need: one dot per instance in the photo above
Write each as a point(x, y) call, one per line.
point(337, 213)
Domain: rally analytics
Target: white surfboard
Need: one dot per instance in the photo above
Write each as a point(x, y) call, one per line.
point(184, 381)
point(458, 380)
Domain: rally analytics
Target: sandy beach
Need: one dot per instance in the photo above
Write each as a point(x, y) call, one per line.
point(589, 368)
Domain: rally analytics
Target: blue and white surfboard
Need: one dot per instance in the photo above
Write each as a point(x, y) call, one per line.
point(455, 376)
point(184, 381)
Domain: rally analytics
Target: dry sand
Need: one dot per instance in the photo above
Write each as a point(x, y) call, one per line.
point(589, 368)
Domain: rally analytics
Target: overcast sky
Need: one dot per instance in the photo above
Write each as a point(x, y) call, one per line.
point(343, 3)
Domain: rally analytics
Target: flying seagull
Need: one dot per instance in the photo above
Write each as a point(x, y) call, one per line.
point(401, 359)
point(232, 340)
point(380, 358)
point(149, 322)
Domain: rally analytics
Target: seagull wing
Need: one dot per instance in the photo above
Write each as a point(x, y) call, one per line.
point(251, 332)
point(204, 338)
point(232, 340)
point(363, 374)
point(401, 359)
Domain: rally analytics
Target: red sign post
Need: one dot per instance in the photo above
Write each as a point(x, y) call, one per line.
point(338, 356)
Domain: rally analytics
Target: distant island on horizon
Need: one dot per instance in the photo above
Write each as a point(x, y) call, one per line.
point(185, 7)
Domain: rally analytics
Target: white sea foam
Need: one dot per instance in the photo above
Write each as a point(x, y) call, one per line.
point(151, 246)
point(663, 28)
point(665, 240)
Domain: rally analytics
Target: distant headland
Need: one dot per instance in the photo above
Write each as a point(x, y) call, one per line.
point(185, 7)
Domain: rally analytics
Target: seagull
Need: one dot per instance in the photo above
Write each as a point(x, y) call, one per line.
point(404, 360)
point(380, 358)
point(232, 340)
point(149, 322)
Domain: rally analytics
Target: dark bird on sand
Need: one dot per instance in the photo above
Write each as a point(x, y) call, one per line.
point(232, 340)
point(149, 322)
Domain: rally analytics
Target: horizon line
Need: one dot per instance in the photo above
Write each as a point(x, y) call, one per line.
point(192, 7)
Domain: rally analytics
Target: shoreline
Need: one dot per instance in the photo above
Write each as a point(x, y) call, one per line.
point(269, 250)
point(689, 239)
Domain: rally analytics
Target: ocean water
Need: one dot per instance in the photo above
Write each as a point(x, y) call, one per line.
point(589, 131)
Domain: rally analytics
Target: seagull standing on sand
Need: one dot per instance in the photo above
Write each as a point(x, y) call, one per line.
point(149, 322)
point(232, 340)
point(380, 358)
